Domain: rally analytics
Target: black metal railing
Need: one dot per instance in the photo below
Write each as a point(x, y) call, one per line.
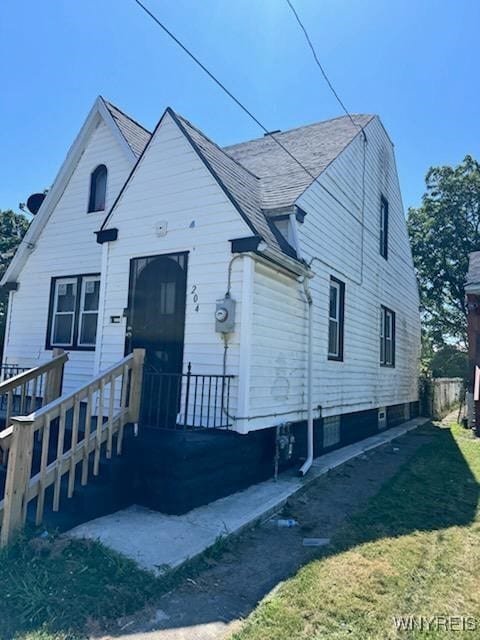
point(185, 400)
point(22, 397)
point(8, 371)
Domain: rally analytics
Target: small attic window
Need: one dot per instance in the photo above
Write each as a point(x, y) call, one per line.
point(283, 226)
point(98, 189)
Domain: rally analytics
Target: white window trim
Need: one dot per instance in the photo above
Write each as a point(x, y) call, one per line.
point(336, 319)
point(387, 338)
point(82, 311)
point(56, 313)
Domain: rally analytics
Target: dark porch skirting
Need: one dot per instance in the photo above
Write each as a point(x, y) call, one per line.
point(174, 471)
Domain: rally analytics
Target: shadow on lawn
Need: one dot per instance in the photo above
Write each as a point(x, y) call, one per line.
point(434, 489)
point(431, 489)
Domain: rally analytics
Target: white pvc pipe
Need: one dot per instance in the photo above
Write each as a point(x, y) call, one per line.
point(308, 462)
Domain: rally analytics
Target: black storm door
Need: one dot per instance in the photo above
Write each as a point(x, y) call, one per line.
point(156, 323)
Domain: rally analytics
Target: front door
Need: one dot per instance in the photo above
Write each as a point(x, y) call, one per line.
point(156, 315)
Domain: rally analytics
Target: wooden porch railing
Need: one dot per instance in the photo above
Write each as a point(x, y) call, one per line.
point(28, 390)
point(110, 401)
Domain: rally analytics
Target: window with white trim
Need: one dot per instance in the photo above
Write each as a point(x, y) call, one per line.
point(387, 337)
point(89, 311)
point(65, 297)
point(335, 319)
point(73, 312)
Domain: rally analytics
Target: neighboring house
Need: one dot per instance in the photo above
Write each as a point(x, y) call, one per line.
point(472, 291)
point(210, 256)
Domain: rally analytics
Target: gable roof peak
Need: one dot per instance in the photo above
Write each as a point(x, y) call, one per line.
point(135, 134)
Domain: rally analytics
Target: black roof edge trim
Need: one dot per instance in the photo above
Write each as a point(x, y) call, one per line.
point(300, 214)
point(10, 286)
point(242, 245)
point(107, 235)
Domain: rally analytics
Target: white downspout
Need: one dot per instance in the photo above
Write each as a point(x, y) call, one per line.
point(308, 462)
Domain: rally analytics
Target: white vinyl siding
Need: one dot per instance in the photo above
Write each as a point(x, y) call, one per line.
point(66, 246)
point(172, 185)
point(332, 234)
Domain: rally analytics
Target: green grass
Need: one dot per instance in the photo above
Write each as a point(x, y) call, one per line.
point(60, 589)
point(415, 550)
point(57, 588)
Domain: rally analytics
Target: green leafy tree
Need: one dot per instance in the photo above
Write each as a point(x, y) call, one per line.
point(449, 362)
point(12, 229)
point(443, 231)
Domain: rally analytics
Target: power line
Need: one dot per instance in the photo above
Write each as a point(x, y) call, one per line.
point(320, 66)
point(241, 105)
point(255, 119)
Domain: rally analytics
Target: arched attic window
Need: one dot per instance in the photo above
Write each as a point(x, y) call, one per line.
point(98, 189)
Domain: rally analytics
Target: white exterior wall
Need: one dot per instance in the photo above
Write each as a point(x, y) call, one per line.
point(332, 234)
point(172, 185)
point(66, 246)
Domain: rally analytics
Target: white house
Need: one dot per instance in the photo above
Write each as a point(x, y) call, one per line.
point(242, 261)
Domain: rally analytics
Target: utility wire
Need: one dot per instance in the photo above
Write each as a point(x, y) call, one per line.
point(260, 124)
point(320, 66)
point(241, 105)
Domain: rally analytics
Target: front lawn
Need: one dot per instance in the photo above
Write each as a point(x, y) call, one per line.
point(51, 589)
point(414, 551)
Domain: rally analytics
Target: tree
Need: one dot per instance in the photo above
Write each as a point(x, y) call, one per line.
point(443, 231)
point(449, 362)
point(12, 229)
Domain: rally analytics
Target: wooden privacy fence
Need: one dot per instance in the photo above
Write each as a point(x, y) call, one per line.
point(78, 427)
point(439, 395)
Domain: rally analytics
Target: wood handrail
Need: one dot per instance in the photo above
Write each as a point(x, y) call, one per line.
point(31, 374)
point(53, 408)
point(122, 382)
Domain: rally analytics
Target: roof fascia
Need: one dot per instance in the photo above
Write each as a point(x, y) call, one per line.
point(75, 152)
point(109, 119)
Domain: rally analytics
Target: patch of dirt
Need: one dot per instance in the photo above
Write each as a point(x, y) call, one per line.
point(211, 605)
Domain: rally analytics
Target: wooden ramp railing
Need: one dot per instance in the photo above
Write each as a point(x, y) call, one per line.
point(29, 390)
point(101, 408)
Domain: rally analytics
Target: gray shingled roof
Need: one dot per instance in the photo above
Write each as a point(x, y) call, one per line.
point(315, 146)
point(242, 186)
point(133, 132)
point(259, 175)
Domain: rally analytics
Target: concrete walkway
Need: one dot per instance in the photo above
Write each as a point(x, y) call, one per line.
point(158, 542)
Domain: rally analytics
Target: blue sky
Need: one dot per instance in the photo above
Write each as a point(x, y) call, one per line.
point(414, 63)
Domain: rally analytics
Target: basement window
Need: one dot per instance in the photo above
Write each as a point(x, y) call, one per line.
point(73, 312)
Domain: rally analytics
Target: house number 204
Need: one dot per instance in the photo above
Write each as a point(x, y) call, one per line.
point(194, 295)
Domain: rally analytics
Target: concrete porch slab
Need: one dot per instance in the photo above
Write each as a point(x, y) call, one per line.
point(157, 542)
